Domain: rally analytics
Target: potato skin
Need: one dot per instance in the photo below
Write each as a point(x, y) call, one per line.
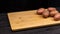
point(57, 17)
point(52, 9)
point(45, 14)
point(40, 11)
point(52, 13)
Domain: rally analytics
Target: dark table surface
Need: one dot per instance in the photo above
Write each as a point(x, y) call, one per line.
point(5, 28)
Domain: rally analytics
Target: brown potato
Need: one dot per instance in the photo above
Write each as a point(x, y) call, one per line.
point(45, 13)
point(57, 17)
point(40, 11)
point(52, 13)
point(52, 9)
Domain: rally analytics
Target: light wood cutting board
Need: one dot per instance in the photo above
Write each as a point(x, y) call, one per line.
point(28, 19)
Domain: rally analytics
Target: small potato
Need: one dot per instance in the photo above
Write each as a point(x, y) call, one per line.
point(40, 11)
point(45, 13)
point(57, 17)
point(52, 9)
point(52, 13)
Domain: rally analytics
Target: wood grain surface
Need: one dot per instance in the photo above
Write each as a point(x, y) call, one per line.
point(28, 19)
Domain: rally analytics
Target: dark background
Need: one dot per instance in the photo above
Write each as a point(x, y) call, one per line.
point(21, 5)
point(18, 5)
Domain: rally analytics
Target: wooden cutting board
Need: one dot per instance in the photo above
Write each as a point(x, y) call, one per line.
point(28, 19)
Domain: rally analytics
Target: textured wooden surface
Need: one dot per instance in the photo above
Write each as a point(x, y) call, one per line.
point(28, 19)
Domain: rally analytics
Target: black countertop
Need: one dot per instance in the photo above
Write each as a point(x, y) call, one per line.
point(5, 28)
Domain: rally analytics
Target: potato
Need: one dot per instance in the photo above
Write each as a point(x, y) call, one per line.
point(52, 9)
point(57, 17)
point(52, 13)
point(40, 11)
point(45, 13)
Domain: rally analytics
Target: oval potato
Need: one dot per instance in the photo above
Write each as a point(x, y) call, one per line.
point(40, 11)
point(52, 13)
point(57, 17)
point(52, 9)
point(45, 13)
